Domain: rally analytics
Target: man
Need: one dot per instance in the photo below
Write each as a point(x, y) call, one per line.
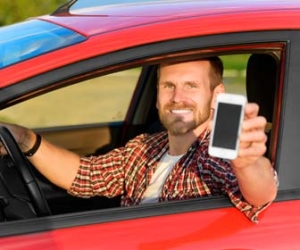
point(170, 165)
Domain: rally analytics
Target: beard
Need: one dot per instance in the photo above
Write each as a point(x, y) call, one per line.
point(177, 125)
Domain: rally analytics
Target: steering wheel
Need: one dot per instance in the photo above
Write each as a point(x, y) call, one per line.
point(23, 167)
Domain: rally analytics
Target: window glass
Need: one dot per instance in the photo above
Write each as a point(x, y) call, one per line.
point(96, 3)
point(235, 73)
point(99, 100)
point(31, 38)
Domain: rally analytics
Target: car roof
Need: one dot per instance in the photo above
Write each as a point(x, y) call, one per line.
point(104, 28)
point(107, 16)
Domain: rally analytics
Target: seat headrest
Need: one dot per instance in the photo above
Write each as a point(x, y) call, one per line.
point(261, 77)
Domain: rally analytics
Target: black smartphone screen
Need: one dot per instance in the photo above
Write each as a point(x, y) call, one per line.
point(227, 126)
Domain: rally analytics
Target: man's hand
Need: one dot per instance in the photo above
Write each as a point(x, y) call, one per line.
point(23, 136)
point(58, 165)
point(252, 138)
point(254, 172)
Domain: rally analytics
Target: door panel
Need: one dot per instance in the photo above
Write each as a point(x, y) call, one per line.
point(83, 140)
point(224, 228)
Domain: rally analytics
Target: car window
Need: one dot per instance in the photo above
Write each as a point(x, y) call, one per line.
point(29, 39)
point(95, 3)
point(106, 99)
point(253, 74)
point(235, 73)
point(88, 102)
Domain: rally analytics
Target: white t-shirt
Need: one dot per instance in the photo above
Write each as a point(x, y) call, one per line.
point(159, 177)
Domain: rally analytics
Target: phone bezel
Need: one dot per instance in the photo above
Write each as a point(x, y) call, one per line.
point(234, 99)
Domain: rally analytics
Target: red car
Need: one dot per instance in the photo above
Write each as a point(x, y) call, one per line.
point(84, 77)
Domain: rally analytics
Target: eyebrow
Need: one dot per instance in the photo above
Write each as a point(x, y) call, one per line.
point(186, 82)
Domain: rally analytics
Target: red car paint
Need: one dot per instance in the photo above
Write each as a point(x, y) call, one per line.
point(211, 229)
point(110, 30)
point(138, 32)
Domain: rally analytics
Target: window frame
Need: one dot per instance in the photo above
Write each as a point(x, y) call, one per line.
point(110, 63)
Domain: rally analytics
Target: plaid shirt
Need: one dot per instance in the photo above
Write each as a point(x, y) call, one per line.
point(127, 171)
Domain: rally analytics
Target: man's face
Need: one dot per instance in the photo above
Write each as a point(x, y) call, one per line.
point(184, 96)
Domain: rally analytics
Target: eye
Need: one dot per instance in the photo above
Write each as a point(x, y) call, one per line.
point(191, 85)
point(167, 85)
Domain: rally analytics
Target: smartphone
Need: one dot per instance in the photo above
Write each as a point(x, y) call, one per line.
point(226, 126)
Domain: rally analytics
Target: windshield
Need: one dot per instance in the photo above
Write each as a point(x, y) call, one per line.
point(95, 3)
point(28, 39)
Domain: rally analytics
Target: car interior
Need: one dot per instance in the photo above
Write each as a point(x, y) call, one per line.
point(261, 80)
point(18, 199)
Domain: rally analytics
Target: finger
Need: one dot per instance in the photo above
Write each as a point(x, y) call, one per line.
point(254, 150)
point(2, 150)
point(251, 110)
point(256, 123)
point(253, 136)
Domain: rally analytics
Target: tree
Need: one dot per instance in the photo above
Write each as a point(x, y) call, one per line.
point(12, 11)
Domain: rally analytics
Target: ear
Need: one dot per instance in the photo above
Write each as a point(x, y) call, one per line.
point(217, 90)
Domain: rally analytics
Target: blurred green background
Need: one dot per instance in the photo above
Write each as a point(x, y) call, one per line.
point(12, 11)
point(44, 111)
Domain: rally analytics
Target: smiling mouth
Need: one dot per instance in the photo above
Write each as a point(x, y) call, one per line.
point(181, 111)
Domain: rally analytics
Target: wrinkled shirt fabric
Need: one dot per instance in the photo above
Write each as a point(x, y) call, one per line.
point(127, 171)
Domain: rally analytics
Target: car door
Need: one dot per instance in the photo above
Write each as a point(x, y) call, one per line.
point(211, 222)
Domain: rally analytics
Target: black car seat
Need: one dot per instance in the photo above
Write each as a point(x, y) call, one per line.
point(261, 81)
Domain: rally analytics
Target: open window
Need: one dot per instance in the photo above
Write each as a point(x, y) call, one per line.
point(124, 96)
point(254, 73)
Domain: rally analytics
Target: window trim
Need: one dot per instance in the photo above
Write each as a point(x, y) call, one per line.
point(133, 56)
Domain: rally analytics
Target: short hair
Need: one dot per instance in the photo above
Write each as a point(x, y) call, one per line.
point(215, 71)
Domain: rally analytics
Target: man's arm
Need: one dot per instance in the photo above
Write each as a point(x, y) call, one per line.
point(257, 182)
point(56, 164)
point(254, 172)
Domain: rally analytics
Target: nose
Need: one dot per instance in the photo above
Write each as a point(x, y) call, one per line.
point(178, 95)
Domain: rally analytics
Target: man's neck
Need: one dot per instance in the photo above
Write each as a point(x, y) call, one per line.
point(180, 144)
